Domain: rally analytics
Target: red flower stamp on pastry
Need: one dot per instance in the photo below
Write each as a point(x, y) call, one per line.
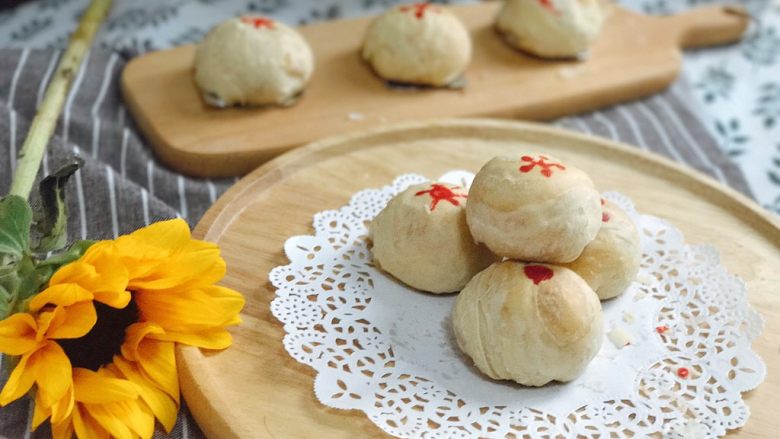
point(549, 5)
point(419, 9)
point(259, 22)
point(538, 273)
point(542, 162)
point(439, 192)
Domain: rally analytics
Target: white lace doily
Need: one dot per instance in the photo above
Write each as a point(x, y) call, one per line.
point(383, 348)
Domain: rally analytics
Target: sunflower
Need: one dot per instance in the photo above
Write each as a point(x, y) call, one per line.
point(97, 344)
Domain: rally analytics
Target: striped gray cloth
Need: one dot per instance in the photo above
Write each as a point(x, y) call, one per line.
point(123, 187)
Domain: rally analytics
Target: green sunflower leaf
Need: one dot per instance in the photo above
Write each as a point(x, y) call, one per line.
point(15, 221)
point(51, 220)
point(75, 251)
point(9, 283)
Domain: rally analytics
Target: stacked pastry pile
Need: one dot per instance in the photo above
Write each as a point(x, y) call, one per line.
point(531, 252)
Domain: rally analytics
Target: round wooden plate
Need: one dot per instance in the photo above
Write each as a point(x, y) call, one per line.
point(254, 389)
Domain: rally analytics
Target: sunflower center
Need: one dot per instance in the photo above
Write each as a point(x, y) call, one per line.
point(104, 340)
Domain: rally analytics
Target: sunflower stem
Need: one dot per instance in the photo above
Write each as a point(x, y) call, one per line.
point(49, 111)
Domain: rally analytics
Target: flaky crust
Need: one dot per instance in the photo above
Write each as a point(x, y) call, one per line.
point(611, 261)
point(239, 63)
point(422, 239)
point(531, 333)
point(428, 46)
point(533, 208)
point(551, 29)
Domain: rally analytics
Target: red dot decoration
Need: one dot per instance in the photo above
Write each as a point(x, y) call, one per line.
point(439, 192)
point(605, 217)
point(661, 329)
point(542, 162)
point(259, 22)
point(418, 9)
point(683, 372)
point(538, 273)
point(549, 5)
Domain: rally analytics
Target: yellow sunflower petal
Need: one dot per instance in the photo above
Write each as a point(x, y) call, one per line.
point(123, 420)
point(62, 294)
point(134, 334)
point(99, 271)
point(114, 276)
point(52, 371)
point(209, 339)
point(147, 247)
point(63, 409)
point(76, 272)
point(104, 415)
point(17, 334)
point(114, 299)
point(162, 406)
point(73, 322)
point(91, 387)
point(19, 382)
point(40, 413)
point(86, 427)
point(62, 430)
point(163, 256)
point(158, 361)
point(192, 310)
point(45, 320)
point(198, 265)
point(146, 242)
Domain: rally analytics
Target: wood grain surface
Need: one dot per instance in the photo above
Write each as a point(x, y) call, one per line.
point(255, 389)
point(635, 56)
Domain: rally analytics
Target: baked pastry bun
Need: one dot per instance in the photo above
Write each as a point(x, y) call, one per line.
point(422, 239)
point(610, 262)
point(530, 323)
point(252, 61)
point(418, 43)
point(533, 208)
point(551, 28)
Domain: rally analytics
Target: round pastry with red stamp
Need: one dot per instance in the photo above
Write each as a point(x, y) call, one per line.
point(252, 60)
point(610, 262)
point(421, 238)
point(419, 44)
point(552, 28)
point(527, 322)
point(533, 207)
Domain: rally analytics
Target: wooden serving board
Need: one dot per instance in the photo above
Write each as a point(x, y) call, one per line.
point(635, 56)
point(255, 389)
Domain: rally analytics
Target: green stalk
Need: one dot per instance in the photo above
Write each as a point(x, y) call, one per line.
point(45, 120)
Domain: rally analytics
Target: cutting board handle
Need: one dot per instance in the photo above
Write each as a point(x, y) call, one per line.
point(709, 25)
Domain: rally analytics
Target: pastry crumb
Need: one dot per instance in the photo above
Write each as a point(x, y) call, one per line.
point(620, 337)
point(628, 317)
point(645, 279)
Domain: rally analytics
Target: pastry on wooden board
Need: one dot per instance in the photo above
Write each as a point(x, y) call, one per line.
point(551, 28)
point(420, 43)
point(610, 262)
point(527, 322)
point(533, 208)
point(422, 239)
point(252, 60)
